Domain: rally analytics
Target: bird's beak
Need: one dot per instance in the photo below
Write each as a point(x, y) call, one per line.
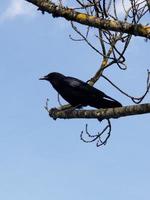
point(43, 78)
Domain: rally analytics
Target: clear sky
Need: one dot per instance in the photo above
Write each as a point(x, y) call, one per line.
point(43, 159)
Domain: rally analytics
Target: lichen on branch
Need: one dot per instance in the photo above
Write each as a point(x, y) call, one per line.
point(92, 21)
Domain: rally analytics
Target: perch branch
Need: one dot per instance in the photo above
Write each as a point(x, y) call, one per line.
point(100, 113)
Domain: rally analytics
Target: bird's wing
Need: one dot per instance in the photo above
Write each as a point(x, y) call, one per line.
point(85, 88)
point(77, 92)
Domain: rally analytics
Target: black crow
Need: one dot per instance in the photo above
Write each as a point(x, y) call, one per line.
point(79, 93)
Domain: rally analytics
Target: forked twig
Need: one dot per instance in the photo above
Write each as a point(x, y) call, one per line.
point(136, 100)
point(46, 105)
point(97, 137)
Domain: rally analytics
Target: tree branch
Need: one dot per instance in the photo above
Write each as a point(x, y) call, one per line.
point(101, 113)
point(93, 21)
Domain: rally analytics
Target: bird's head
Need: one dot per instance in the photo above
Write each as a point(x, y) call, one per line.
point(52, 77)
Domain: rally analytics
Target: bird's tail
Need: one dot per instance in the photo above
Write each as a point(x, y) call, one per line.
point(106, 103)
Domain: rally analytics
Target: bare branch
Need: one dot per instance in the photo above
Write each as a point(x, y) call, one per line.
point(136, 100)
point(97, 137)
point(93, 21)
point(101, 113)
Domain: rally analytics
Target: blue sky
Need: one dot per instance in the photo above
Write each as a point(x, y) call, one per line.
point(45, 159)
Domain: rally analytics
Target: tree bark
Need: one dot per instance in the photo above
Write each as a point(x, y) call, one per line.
point(85, 19)
point(100, 113)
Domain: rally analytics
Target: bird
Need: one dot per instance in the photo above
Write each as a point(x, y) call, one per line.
point(79, 93)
